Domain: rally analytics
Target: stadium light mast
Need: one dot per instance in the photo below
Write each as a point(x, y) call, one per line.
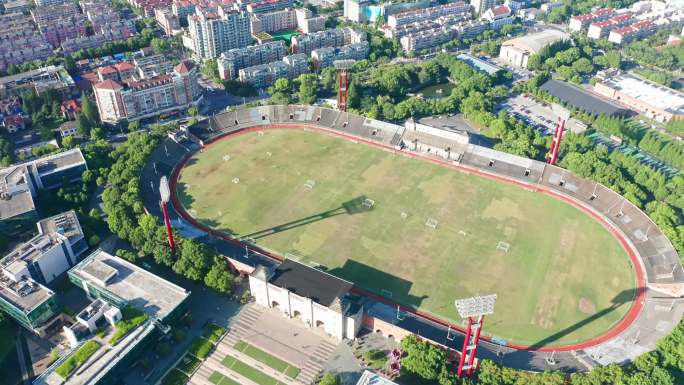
point(470, 308)
point(165, 193)
point(343, 67)
point(556, 142)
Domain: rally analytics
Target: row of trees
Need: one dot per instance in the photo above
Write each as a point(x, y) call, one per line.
point(127, 218)
point(426, 364)
point(651, 53)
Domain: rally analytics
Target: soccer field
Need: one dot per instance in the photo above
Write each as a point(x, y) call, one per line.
point(433, 234)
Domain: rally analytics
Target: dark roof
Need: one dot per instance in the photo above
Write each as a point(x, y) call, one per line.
point(582, 99)
point(308, 282)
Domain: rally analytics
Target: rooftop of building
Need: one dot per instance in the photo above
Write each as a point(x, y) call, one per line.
point(656, 95)
point(38, 75)
point(536, 41)
point(138, 287)
point(479, 64)
point(66, 224)
point(16, 204)
point(582, 99)
point(25, 294)
point(52, 163)
point(305, 281)
point(30, 251)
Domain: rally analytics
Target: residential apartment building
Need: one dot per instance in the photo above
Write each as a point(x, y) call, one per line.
point(498, 17)
point(152, 65)
point(18, 6)
point(481, 6)
point(458, 9)
point(325, 57)
point(601, 29)
point(116, 31)
point(20, 42)
point(59, 22)
point(134, 99)
point(273, 21)
point(38, 80)
point(442, 33)
point(582, 22)
point(328, 38)
point(264, 75)
point(263, 6)
point(147, 7)
point(43, 3)
point(307, 23)
point(231, 62)
point(214, 33)
point(99, 13)
point(166, 20)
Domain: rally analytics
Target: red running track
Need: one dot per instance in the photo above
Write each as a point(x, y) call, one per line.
point(630, 317)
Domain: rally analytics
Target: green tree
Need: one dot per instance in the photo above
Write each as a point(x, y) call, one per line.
point(308, 88)
point(193, 260)
point(193, 111)
point(219, 276)
point(329, 379)
point(90, 111)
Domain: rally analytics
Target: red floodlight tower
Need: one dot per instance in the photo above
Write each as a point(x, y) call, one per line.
point(165, 193)
point(474, 307)
point(555, 144)
point(343, 67)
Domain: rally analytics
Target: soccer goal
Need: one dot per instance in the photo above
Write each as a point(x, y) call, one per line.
point(226, 158)
point(503, 246)
point(309, 184)
point(368, 204)
point(432, 223)
point(461, 232)
point(404, 215)
point(236, 180)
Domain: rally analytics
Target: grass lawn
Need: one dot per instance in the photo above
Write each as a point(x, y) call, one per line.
point(267, 359)
point(77, 359)
point(219, 379)
point(200, 348)
point(249, 372)
point(564, 279)
point(131, 319)
point(175, 377)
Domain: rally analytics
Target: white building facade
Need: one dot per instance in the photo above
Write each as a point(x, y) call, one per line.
point(315, 297)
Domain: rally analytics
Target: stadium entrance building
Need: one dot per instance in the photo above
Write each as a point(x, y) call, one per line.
point(317, 298)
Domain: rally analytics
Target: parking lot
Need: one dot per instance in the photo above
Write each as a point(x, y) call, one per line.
point(540, 116)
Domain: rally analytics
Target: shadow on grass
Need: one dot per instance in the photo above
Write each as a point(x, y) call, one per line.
point(350, 207)
point(379, 282)
point(620, 299)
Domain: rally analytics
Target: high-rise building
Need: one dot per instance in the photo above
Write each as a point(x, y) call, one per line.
point(213, 33)
point(481, 6)
point(134, 98)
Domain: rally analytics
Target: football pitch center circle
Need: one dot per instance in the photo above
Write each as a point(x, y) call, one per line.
point(415, 232)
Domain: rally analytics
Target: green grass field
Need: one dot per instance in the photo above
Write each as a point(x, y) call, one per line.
point(267, 359)
point(253, 374)
point(565, 279)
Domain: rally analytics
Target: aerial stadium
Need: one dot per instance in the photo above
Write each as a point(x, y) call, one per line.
point(417, 218)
